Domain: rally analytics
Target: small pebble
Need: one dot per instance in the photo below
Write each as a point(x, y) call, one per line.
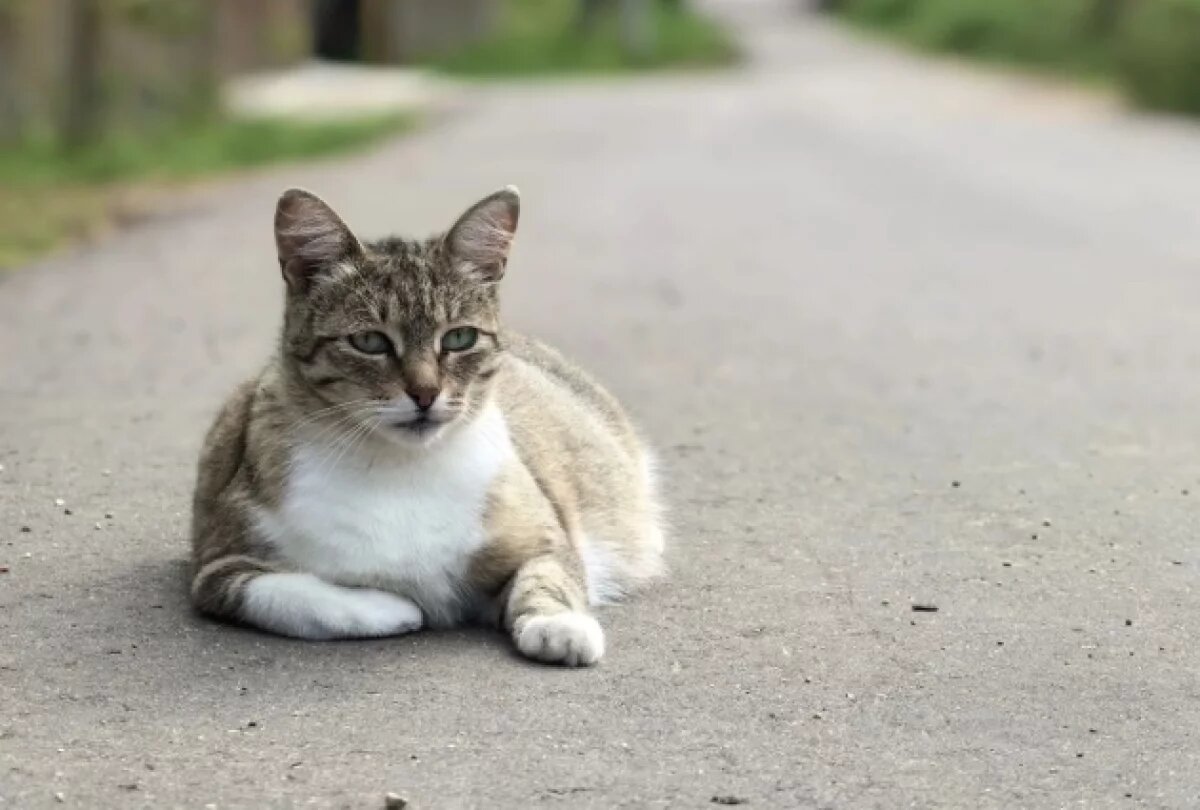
point(924, 608)
point(68, 512)
point(1129, 622)
point(394, 801)
point(3, 569)
point(59, 502)
point(1007, 564)
point(60, 797)
point(1046, 523)
point(956, 483)
point(108, 515)
point(1035, 536)
point(97, 526)
point(26, 530)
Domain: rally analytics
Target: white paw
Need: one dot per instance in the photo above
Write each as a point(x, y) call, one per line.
point(570, 638)
point(304, 606)
point(379, 613)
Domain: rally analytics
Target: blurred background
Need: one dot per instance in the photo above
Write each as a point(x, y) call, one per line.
point(102, 100)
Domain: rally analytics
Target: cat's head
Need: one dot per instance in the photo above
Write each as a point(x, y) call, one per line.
point(395, 337)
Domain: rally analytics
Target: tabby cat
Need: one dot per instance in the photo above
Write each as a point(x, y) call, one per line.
point(403, 461)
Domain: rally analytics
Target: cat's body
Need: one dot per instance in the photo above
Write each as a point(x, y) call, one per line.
point(494, 481)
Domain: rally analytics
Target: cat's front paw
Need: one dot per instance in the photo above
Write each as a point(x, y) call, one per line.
point(571, 638)
point(379, 613)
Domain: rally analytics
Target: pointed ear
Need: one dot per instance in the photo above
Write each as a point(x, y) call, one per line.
point(479, 242)
point(310, 237)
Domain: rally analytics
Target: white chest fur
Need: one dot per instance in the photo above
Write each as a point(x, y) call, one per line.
point(407, 523)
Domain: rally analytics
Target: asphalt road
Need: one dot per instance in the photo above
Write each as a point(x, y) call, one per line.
point(904, 332)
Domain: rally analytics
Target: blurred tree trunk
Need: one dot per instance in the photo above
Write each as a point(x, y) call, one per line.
point(80, 121)
point(11, 114)
point(337, 30)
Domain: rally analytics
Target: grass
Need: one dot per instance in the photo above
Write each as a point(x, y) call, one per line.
point(1053, 36)
point(1150, 48)
point(542, 37)
point(48, 195)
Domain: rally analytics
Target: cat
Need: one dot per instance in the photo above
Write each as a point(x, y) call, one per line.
point(403, 461)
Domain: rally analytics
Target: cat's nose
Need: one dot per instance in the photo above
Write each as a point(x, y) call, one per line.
point(423, 395)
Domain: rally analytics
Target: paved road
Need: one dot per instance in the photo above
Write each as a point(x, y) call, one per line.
point(904, 333)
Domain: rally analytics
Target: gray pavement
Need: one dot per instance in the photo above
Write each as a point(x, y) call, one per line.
point(904, 332)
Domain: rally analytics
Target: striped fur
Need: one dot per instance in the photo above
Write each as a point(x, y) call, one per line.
point(329, 505)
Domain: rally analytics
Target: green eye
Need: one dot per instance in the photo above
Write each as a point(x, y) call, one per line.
point(370, 342)
point(460, 339)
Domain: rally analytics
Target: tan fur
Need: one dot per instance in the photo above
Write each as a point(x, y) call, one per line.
point(578, 486)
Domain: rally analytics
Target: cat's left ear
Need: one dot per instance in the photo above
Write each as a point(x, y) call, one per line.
point(311, 239)
point(479, 242)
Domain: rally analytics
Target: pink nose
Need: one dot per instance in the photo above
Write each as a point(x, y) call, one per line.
point(424, 396)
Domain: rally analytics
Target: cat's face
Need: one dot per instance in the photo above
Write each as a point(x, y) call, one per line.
point(394, 338)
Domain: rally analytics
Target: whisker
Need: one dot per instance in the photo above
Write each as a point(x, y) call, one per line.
point(337, 448)
point(313, 416)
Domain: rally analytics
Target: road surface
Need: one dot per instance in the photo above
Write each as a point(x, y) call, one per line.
point(905, 333)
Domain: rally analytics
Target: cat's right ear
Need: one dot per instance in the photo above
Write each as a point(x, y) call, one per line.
point(479, 242)
point(311, 238)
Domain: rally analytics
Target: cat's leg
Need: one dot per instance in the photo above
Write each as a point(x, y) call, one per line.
point(245, 589)
point(546, 611)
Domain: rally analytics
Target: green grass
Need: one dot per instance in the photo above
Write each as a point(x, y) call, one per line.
point(1158, 56)
point(541, 37)
point(48, 195)
point(1150, 48)
point(1048, 34)
point(188, 151)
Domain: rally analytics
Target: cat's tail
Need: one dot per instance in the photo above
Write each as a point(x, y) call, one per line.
point(219, 586)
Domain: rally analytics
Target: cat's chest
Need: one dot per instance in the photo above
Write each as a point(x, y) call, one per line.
point(410, 524)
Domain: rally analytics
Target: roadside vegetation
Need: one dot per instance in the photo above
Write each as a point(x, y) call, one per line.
point(554, 37)
point(50, 193)
point(98, 160)
point(1150, 48)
